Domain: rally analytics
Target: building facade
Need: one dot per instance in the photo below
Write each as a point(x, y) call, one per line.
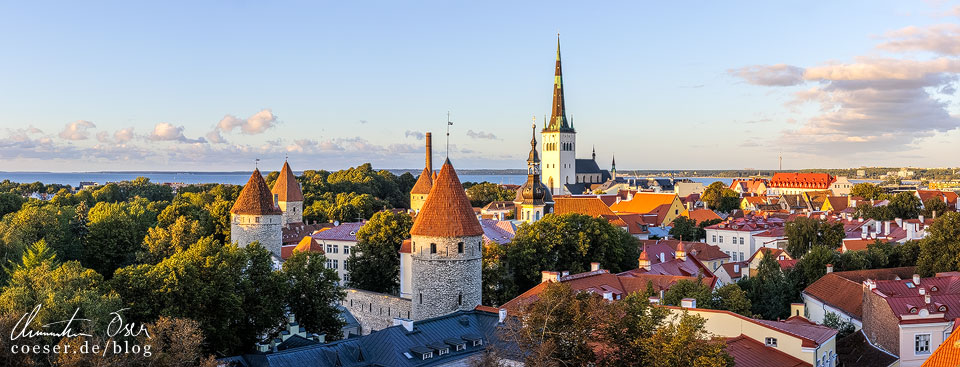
point(533, 199)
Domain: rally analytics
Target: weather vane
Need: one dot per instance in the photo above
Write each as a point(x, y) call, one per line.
point(256, 163)
point(448, 133)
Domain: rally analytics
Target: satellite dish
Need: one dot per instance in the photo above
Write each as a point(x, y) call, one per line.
point(336, 223)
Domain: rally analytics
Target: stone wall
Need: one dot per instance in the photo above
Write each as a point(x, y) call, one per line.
point(880, 325)
point(375, 311)
point(292, 211)
point(447, 280)
point(245, 229)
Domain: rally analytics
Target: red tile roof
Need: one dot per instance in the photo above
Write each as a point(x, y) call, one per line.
point(601, 281)
point(308, 244)
point(904, 299)
point(700, 215)
point(835, 288)
point(747, 352)
point(447, 211)
point(405, 248)
point(255, 198)
point(810, 334)
point(591, 206)
point(801, 180)
point(287, 188)
point(424, 183)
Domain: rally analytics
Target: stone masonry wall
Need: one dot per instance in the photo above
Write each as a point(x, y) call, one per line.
point(375, 311)
point(292, 211)
point(880, 325)
point(244, 229)
point(445, 281)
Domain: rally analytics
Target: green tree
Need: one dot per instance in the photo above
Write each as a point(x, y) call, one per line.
point(867, 191)
point(770, 291)
point(803, 233)
point(686, 229)
point(37, 221)
point(568, 242)
point(375, 261)
point(940, 249)
point(933, 206)
point(813, 264)
point(484, 193)
point(906, 254)
point(689, 289)
point(905, 205)
point(719, 197)
point(732, 298)
point(497, 288)
point(10, 202)
point(314, 293)
point(109, 193)
point(162, 242)
point(116, 231)
point(843, 327)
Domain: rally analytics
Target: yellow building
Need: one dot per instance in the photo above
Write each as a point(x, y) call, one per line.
point(667, 206)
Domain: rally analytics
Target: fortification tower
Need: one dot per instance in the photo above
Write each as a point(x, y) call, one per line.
point(254, 217)
point(447, 247)
point(288, 196)
point(418, 195)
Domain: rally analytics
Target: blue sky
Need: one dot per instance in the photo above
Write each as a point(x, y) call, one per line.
point(663, 85)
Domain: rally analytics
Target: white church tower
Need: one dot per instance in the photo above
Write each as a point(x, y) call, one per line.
point(559, 141)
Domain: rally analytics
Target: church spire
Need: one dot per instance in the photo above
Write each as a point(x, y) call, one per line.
point(558, 117)
point(613, 166)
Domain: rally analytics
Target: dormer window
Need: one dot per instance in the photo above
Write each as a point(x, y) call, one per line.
point(942, 308)
point(770, 342)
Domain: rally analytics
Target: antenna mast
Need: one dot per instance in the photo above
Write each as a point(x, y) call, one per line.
point(448, 133)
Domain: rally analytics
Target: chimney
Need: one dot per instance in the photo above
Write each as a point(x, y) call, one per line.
point(564, 273)
point(688, 303)
point(920, 218)
point(860, 219)
point(263, 347)
point(407, 323)
point(926, 299)
point(654, 299)
point(870, 284)
point(829, 268)
point(608, 295)
point(921, 290)
point(662, 258)
point(503, 315)
point(594, 266)
point(899, 221)
point(916, 279)
point(863, 233)
point(797, 309)
point(549, 276)
point(886, 228)
point(876, 227)
point(429, 139)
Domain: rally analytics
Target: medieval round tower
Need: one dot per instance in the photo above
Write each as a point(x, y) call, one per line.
point(254, 217)
point(447, 247)
point(288, 196)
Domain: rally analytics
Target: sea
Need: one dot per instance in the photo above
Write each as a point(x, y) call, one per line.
point(240, 178)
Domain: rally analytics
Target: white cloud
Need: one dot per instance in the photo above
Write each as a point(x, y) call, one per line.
point(481, 135)
point(942, 39)
point(77, 130)
point(770, 75)
point(256, 124)
point(165, 131)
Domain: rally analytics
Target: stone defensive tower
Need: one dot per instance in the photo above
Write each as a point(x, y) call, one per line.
point(287, 196)
point(559, 140)
point(418, 195)
point(447, 247)
point(254, 217)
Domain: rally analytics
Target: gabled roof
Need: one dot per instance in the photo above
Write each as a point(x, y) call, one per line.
point(775, 252)
point(747, 352)
point(591, 206)
point(838, 203)
point(287, 188)
point(700, 215)
point(343, 232)
point(644, 202)
point(255, 198)
point(447, 211)
point(307, 244)
point(498, 231)
point(799, 326)
point(424, 183)
point(835, 288)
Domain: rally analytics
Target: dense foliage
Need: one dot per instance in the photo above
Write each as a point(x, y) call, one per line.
point(481, 194)
point(721, 198)
point(373, 263)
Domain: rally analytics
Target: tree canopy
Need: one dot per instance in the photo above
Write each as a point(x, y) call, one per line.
point(721, 198)
point(374, 262)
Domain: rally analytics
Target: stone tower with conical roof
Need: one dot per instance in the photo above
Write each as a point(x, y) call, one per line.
point(446, 250)
point(533, 199)
point(559, 140)
point(288, 196)
point(418, 195)
point(255, 217)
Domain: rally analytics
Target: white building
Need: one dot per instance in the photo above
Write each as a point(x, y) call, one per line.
point(738, 237)
point(337, 242)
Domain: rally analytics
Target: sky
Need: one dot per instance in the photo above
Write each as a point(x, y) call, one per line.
point(214, 85)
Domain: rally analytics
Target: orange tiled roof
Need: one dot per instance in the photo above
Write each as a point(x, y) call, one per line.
point(424, 183)
point(255, 199)
point(308, 244)
point(775, 252)
point(447, 211)
point(644, 202)
point(700, 215)
point(287, 188)
point(405, 248)
point(947, 354)
point(591, 206)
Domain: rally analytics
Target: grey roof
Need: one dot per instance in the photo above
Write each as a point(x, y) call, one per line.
point(388, 346)
point(587, 166)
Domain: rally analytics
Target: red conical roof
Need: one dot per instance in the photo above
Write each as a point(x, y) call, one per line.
point(447, 211)
point(287, 188)
point(255, 199)
point(424, 183)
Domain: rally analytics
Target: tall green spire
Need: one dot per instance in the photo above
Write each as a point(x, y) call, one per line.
point(558, 117)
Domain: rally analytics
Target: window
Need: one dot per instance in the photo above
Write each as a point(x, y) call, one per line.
point(336, 248)
point(346, 250)
point(478, 342)
point(721, 239)
point(461, 347)
point(741, 256)
point(922, 344)
point(770, 342)
point(329, 248)
point(460, 247)
point(335, 266)
point(443, 351)
point(433, 248)
point(346, 277)
point(714, 238)
point(276, 198)
point(460, 299)
point(258, 219)
point(421, 298)
point(741, 240)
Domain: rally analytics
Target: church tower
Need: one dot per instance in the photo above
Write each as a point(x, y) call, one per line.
point(254, 217)
point(418, 195)
point(533, 200)
point(446, 250)
point(613, 167)
point(287, 196)
point(559, 140)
